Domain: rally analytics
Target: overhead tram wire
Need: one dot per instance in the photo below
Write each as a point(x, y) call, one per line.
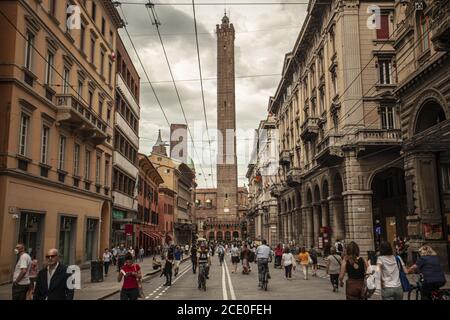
point(201, 85)
point(156, 23)
point(148, 79)
point(223, 3)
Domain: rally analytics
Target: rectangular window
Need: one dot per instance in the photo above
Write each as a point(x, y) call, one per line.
point(80, 89)
point(100, 108)
point(102, 62)
point(424, 33)
point(44, 144)
point(87, 165)
point(66, 81)
point(387, 117)
point(111, 37)
point(108, 116)
point(76, 160)
point(52, 8)
point(49, 68)
point(24, 126)
point(446, 176)
point(94, 10)
point(334, 82)
point(97, 169)
point(29, 51)
point(109, 73)
point(103, 26)
point(82, 36)
point(107, 173)
point(62, 152)
point(385, 71)
point(91, 98)
point(383, 31)
point(92, 51)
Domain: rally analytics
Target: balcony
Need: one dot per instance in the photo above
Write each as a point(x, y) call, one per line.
point(329, 149)
point(310, 128)
point(378, 137)
point(123, 88)
point(441, 25)
point(73, 112)
point(293, 177)
point(285, 157)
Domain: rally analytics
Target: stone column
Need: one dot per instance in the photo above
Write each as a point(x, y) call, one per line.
point(289, 226)
point(316, 222)
point(336, 206)
point(325, 213)
point(359, 219)
point(308, 226)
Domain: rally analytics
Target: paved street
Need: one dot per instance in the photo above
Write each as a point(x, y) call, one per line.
point(225, 285)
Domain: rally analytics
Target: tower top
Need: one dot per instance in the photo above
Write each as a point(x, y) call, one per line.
point(225, 19)
point(160, 146)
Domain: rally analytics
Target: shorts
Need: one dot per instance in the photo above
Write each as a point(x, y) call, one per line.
point(234, 259)
point(177, 263)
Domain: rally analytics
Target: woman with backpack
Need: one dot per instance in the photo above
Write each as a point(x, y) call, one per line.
point(313, 255)
point(355, 267)
point(391, 267)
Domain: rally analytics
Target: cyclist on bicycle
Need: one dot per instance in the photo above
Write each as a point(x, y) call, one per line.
point(263, 253)
point(203, 263)
point(429, 266)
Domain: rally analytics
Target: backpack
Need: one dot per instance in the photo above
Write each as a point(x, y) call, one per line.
point(340, 247)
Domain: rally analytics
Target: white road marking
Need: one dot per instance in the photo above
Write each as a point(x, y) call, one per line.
point(173, 282)
point(224, 284)
point(233, 296)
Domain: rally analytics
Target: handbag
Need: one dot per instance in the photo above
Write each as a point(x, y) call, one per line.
point(310, 261)
point(406, 286)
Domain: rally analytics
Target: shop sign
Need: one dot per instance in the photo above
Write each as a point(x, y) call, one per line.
point(117, 214)
point(128, 229)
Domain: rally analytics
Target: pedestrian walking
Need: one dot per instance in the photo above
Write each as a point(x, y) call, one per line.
point(288, 261)
point(178, 255)
point(34, 270)
point(131, 275)
point(52, 281)
point(194, 258)
point(245, 255)
point(141, 254)
point(107, 257)
point(334, 262)
point(339, 246)
point(390, 267)
point(21, 277)
point(304, 259)
point(234, 257)
point(355, 267)
point(114, 255)
point(121, 252)
point(313, 256)
point(167, 271)
point(278, 256)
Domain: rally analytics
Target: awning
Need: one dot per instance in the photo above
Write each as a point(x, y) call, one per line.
point(154, 235)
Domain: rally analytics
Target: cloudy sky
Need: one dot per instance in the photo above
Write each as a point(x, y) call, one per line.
point(264, 33)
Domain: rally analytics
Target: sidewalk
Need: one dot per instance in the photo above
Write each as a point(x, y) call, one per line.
point(99, 290)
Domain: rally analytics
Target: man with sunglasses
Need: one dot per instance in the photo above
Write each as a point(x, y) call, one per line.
point(51, 283)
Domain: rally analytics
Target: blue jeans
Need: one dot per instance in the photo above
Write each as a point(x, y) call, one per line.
point(263, 265)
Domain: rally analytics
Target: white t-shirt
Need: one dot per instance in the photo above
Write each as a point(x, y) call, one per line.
point(287, 259)
point(389, 272)
point(335, 263)
point(107, 256)
point(23, 262)
point(235, 252)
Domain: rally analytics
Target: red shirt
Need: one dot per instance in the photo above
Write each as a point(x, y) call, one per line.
point(130, 282)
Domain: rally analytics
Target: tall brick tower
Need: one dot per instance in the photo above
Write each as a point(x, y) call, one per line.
point(226, 123)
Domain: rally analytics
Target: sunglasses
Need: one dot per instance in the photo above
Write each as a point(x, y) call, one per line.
point(51, 256)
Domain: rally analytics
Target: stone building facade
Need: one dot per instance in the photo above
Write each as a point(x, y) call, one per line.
point(262, 216)
point(339, 129)
point(362, 113)
point(423, 95)
point(56, 138)
point(126, 148)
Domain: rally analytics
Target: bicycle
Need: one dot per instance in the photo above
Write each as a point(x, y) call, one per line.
point(264, 270)
point(416, 292)
point(202, 277)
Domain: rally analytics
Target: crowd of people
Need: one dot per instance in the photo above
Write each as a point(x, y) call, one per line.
point(385, 269)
